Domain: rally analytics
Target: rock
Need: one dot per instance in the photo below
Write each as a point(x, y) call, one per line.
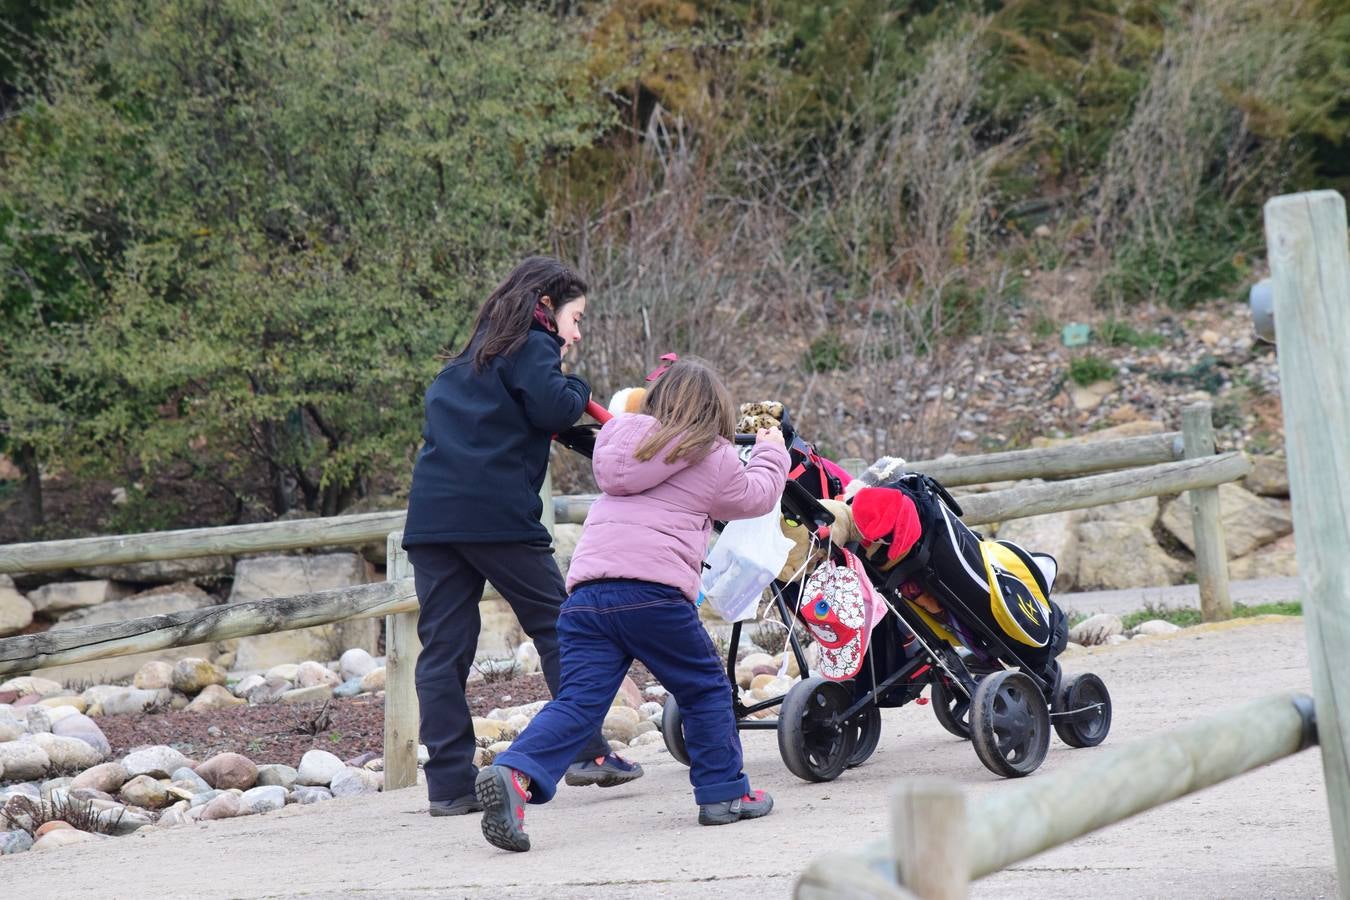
point(373, 680)
point(276, 775)
point(643, 727)
point(1117, 639)
point(349, 688)
point(72, 702)
point(620, 724)
point(224, 806)
point(490, 729)
point(629, 693)
point(106, 777)
point(647, 738)
point(287, 671)
point(1088, 397)
point(192, 674)
point(154, 675)
point(1152, 627)
point(1102, 546)
point(312, 674)
point(265, 798)
point(129, 701)
point(651, 710)
point(189, 780)
point(66, 837)
point(16, 611)
point(94, 696)
point(745, 669)
point(158, 761)
point(85, 729)
point(351, 782)
point(1143, 511)
point(213, 696)
point(10, 728)
point(145, 792)
point(224, 660)
point(307, 795)
point(618, 746)
point(777, 686)
point(500, 632)
point(228, 771)
point(316, 694)
point(31, 684)
point(286, 576)
point(760, 680)
point(317, 767)
point(37, 719)
point(355, 663)
point(89, 794)
point(14, 842)
point(516, 724)
point(1272, 560)
point(655, 692)
point(1269, 477)
point(53, 784)
point(270, 691)
point(23, 760)
point(67, 754)
point(173, 817)
point(481, 757)
point(527, 658)
point(248, 683)
point(1096, 630)
point(61, 596)
point(529, 710)
point(205, 797)
point(498, 748)
point(1248, 521)
point(172, 572)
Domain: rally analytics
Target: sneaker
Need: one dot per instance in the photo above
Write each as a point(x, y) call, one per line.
point(605, 771)
point(502, 792)
point(461, 806)
point(752, 806)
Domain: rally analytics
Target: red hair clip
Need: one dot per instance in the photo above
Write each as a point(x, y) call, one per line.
point(666, 362)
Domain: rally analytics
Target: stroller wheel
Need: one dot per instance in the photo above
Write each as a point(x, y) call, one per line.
point(952, 709)
point(1010, 724)
point(866, 728)
point(814, 743)
point(1082, 711)
point(672, 730)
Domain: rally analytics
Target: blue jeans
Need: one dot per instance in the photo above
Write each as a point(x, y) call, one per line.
point(603, 627)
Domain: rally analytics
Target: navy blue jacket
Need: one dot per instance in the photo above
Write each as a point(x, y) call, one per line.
point(486, 445)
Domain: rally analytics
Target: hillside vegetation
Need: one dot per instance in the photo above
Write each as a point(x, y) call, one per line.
point(235, 235)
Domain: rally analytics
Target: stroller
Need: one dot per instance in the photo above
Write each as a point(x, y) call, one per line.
point(1002, 693)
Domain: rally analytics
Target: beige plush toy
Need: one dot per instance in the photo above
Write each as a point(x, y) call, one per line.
point(627, 400)
point(841, 532)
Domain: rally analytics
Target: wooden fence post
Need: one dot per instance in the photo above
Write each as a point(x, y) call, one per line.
point(1211, 555)
point(929, 839)
point(401, 647)
point(1310, 267)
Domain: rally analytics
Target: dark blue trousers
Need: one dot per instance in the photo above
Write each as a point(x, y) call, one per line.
point(604, 626)
point(450, 579)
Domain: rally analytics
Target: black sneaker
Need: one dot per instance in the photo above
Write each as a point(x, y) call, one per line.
point(502, 792)
point(753, 805)
point(460, 806)
point(605, 771)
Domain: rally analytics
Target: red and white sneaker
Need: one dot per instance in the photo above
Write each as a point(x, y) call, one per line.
point(503, 792)
point(753, 805)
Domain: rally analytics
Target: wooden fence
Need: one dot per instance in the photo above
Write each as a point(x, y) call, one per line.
point(1159, 464)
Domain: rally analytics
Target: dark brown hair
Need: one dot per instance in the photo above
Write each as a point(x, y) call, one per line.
point(694, 409)
point(504, 319)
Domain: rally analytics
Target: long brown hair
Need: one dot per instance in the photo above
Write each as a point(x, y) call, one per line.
point(694, 409)
point(504, 320)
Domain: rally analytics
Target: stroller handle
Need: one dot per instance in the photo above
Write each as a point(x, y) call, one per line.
point(598, 412)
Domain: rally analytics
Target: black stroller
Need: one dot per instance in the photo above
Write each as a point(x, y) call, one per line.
point(999, 694)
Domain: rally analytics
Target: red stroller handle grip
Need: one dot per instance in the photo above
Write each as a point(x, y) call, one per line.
point(597, 412)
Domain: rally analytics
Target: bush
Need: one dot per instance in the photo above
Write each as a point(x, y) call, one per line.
point(1090, 369)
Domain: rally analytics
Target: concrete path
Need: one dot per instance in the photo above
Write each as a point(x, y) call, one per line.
point(1263, 835)
point(1182, 596)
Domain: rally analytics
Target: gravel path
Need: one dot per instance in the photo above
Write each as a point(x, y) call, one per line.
point(1264, 835)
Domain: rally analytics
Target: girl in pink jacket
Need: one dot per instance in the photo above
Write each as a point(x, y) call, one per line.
point(666, 474)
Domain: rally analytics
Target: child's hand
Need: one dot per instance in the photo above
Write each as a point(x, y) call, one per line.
point(769, 436)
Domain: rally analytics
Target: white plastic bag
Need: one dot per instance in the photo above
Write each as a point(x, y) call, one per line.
point(745, 559)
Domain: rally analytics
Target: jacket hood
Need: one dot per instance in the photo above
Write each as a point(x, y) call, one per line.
point(618, 471)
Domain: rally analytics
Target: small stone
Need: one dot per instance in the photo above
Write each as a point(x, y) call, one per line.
point(349, 688)
point(65, 837)
point(646, 738)
point(284, 671)
point(248, 683)
point(499, 747)
point(356, 663)
point(312, 674)
point(23, 760)
point(67, 754)
point(11, 729)
point(527, 658)
point(225, 806)
point(14, 842)
point(517, 723)
point(745, 669)
point(173, 817)
point(373, 680)
point(628, 695)
point(52, 784)
point(277, 775)
point(305, 795)
point(351, 782)
point(313, 694)
point(760, 681)
point(145, 792)
point(37, 719)
point(226, 771)
point(156, 761)
point(31, 684)
point(212, 697)
point(153, 676)
point(270, 691)
point(89, 794)
point(205, 797)
point(651, 710)
point(193, 673)
point(106, 777)
point(264, 798)
point(489, 729)
point(1154, 626)
point(133, 701)
point(1096, 630)
point(620, 724)
point(1117, 639)
point(189, 780)
point(50, 826)
point(618, 746)
point(62, 702)
point(481, 757)
point(224, 660)
point(317, 767)
point(655, 692)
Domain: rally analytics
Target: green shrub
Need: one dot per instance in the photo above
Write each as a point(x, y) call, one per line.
point(1089, 369)
point(828, 353)
point(1115, 333)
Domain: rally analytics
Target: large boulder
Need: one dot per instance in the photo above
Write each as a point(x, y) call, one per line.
point(175, 598)
point(317, 767)
point(1248, 521)
point(16, 610)
point(1269, 477)
point(1117, 555)
point(23, 761)
point(1143, 511)
point(67, 754)
point(163, 571)
point(158, 761)
point(285, 576)
point(355, 663)
point(129, 701)
point(106, 777)
point(1274, 560)
point(226, 771)
point(1053, 533)
point(50, 600)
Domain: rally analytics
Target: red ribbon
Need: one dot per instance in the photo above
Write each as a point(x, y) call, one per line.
point(666, 362)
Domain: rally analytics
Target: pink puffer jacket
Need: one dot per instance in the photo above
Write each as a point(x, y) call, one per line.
point(653, 521)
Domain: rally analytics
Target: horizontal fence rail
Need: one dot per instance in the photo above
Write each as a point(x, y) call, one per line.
point(1055, 462)
point(198, 626)
point(1016, 821)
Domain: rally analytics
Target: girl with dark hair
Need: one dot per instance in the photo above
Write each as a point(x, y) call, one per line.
point(474, 513)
